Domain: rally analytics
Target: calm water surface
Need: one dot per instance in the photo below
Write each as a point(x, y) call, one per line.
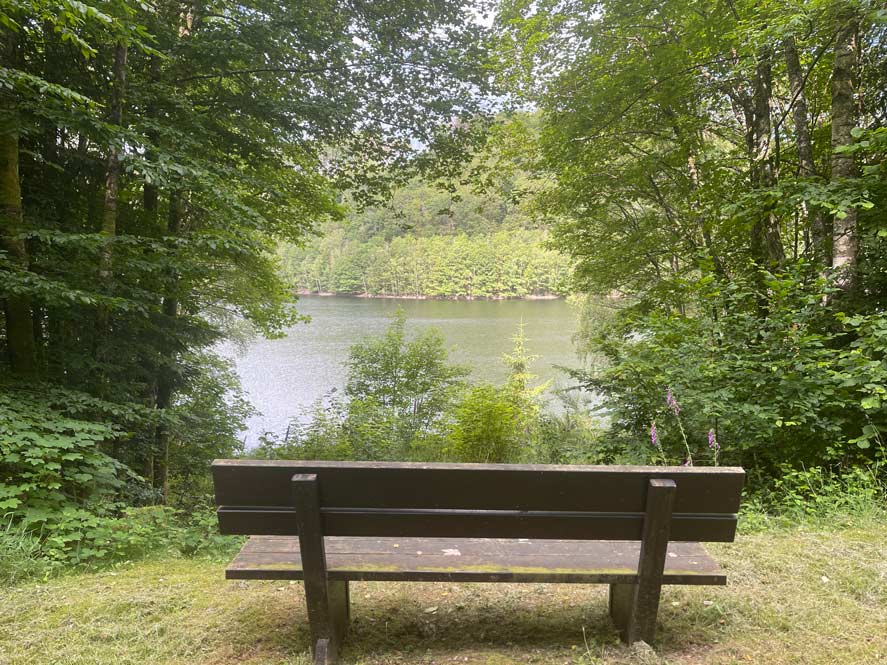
point(285, 377)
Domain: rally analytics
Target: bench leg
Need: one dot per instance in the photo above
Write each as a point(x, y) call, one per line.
point(328, 618)
point(340, 608)
point(634, 606)
point(322, 654)
point(327, 600)
point(621, 600)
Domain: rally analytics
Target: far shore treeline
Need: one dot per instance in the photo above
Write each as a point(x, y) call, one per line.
point(475, 240)
point(505, 264)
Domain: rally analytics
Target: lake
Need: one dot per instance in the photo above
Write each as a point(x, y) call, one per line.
point(284, 377)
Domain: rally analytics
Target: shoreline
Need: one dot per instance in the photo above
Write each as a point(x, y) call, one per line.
point(385, 296)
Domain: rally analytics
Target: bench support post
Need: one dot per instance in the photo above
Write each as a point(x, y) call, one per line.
point(634, 607)
point(327, 601)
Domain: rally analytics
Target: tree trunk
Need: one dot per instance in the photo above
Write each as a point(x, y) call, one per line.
point(819, 224)
point(799, 108)
point(112, 178)
point(766, 243)
point(150, 194)
point(165, 376)
point(704, 227)
point(109, 206)
point(845, 243)
point(20, 346)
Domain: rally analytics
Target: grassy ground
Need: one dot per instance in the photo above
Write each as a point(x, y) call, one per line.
point(808, 594)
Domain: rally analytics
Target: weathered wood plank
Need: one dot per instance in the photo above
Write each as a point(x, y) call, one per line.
point(651, 564)
point(480, 560)
point(480, 486)
point(485, 547)
point(476, 524)
point(324, 632)
point(621, 599)
point(322, 653)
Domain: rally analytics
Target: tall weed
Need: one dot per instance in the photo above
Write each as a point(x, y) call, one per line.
point(21, 558)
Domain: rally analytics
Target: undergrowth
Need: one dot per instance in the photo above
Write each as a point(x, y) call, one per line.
point(816, 495)
point(102, 542)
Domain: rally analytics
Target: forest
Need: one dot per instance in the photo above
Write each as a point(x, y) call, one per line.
point(708, 180)
point(470, 242)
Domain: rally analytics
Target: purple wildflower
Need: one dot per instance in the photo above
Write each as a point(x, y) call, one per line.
point(672, 403)
point(688, 462)
point(712, 441)
point(654, 437)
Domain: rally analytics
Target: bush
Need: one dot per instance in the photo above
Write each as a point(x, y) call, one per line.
point(801, 385)
point(50, 460)
point(575, 438)
point(84, 538)
point(489, 427)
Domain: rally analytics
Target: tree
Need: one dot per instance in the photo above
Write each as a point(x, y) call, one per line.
point(704, 168)
point(152, 157)
point(410, 378)
point(648, 113)
point(496, 423)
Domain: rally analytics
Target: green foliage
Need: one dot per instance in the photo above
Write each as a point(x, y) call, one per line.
point(398, 393)
point(89, 538)
point(403, 401)
point(152, 160)
point(474, 239)
point(204, 424)
point(63, 494)
point(816, 495)
point(802, 385)
point(498, 424)
point(412, 379)
point(815, 492)
point(721, 186)
point(502, 264)
point(575, 436)
point(488, 427)
point(50, 460)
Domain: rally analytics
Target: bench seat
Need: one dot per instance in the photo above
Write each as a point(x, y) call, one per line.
point(472, 560)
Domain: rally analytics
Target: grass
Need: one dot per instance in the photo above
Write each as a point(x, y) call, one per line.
point(814, 593)
point(19, 553)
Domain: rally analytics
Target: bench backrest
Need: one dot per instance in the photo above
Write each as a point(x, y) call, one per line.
point(255, 497)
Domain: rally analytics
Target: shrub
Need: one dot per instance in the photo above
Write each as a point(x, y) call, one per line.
point(50, 460)
point(83, 538)
point(489, 427)
point(814, 495)
point(801, 384)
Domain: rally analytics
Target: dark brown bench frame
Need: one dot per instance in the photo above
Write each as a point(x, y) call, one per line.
point(497, 501)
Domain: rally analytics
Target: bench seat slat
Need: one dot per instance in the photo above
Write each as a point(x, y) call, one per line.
point(472, 560)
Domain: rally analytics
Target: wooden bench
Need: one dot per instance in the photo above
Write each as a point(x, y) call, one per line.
point(632, 527)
